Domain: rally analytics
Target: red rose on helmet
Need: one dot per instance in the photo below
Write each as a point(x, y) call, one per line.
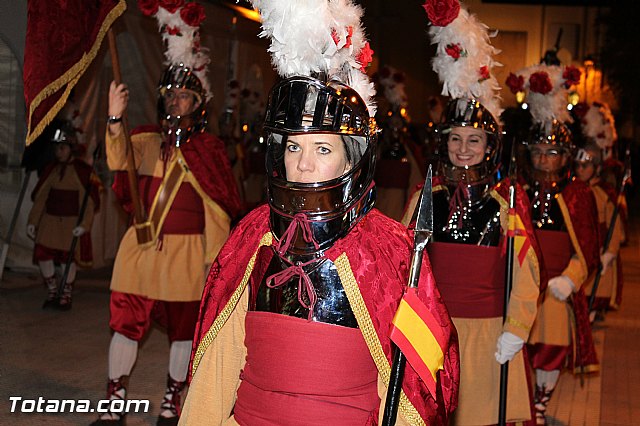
point(484, 73)
point(515, 83)
point(571, 75)
point(148, 7)
point(171, 5)
point(364, 57)
point(540, 82)
point(442, 12)
point(192, 14)
point(453, 50)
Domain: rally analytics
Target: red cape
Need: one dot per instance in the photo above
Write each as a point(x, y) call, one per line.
point(379, 251)
point(207, 159)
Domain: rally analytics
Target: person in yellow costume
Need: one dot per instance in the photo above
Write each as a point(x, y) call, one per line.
point(587, 166)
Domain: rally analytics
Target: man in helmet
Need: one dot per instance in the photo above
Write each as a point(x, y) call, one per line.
point(191, 198)
point(564, 217)
point(295, 317)
point(587, 167)
point(470, 226)
point(53, 220)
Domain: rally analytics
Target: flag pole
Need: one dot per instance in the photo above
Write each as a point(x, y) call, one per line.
point(508, 278)
point(423, 215)
point(14, 220)
point(139, 214)
point(612, 223)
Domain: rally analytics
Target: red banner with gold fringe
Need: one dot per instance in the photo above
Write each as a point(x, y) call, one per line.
point(63, 38)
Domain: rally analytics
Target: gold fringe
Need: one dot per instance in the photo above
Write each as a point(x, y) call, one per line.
point(70, 78)
point(221, 319)
point(407, 410)
point(572, 234)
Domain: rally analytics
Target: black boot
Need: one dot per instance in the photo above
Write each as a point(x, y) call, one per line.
point(541, 400)
point(115, 391)
point(171, 407)
point(52, 296)
point(64, 304)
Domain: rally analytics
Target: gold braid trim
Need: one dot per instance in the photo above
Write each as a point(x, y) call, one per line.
point(224, 315)
point(514, 322)
point(370, 336)
point(70, 77)
point(574, 237)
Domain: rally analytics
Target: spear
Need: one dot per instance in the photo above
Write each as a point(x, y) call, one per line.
point(423, 215)
point(508, 279)
point(625, 179)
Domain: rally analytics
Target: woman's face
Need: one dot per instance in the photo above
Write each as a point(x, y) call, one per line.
point(311, 158)
point(466, 146)
point(585, 170)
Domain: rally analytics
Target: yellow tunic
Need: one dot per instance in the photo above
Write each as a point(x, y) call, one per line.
point(478, 337)
point(176, 271)
point(553, 324)
point(55, 231)
point(607, 287)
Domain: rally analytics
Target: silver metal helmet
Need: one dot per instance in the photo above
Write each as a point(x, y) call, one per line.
point(306, 105)
point(478, 178)
point(180, 128)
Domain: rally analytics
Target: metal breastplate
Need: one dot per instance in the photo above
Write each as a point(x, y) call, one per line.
point(545, 209)
point(331, 306)
point(477, 223)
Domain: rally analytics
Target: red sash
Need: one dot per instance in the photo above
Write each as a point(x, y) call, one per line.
point(305, 373)
point(186, 213)
point(62, 202)
point(470, 278)
point(556, 251)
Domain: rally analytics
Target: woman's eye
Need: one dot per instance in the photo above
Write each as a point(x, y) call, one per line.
point(324, 150)
point(293, 148)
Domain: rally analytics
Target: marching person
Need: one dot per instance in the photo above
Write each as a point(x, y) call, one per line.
point(566, 227)
point(587, 166)
point(53, 220)
point(296, 313)
point(471, 217)
point(189, 192)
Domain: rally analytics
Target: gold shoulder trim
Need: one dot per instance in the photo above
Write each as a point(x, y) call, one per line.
point(222, 318)
point(574, 237)
point(368, 331)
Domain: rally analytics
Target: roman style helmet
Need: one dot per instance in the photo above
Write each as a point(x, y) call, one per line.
point(320, 50)
point(186, 65)
point(463, 61)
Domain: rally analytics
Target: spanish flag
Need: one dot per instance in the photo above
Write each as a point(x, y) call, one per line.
point(419, 336)
point(519, 232)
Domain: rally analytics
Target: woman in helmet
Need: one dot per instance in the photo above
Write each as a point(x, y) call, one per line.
point(296, 313)
point(468, 258)
point(471, 216)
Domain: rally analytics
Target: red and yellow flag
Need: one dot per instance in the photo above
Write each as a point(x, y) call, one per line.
point(521, 240)
point(420, 338)
point(63, 38)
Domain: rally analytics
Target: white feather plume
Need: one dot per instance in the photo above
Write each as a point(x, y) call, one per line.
point(317, 36)
point(598, 123)
point(184, 47)
point(393, 88)
point(461, 77)
point(545, 108)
